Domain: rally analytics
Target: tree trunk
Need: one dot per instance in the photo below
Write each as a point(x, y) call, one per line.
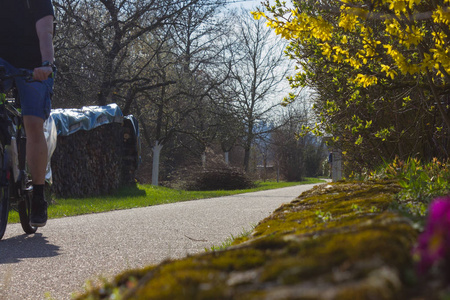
point(204, 159)
point(155, 169)
point(246, 159)
point(227, 158)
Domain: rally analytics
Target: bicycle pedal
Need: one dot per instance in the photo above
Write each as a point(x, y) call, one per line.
point(5, 177)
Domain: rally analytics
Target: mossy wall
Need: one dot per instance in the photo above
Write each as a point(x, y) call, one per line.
point(337, 241)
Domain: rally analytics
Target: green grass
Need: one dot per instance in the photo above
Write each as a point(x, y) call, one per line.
point(141, 196)
point(229, 240)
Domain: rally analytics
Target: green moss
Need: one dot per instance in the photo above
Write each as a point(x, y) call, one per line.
point(359, 250)
point(182, 284)
point(200, 277)
point(301, 215)
point(237, 260)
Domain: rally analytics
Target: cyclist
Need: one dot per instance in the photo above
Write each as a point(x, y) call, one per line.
point(26, 32)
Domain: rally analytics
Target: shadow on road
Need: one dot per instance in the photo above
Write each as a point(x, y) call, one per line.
point(14, 249)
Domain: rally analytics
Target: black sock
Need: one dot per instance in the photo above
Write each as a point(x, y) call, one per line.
point(38, 190)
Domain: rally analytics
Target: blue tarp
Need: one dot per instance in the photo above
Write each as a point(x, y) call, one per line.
point(71, 120)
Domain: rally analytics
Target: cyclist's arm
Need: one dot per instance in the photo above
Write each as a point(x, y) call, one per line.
point(44, 29)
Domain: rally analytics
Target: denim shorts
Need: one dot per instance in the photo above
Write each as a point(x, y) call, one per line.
point(35, 97)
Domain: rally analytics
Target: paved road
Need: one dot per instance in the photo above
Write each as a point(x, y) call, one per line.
point(62, 256)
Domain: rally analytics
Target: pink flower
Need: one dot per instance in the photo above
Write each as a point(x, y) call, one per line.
point(434, 243)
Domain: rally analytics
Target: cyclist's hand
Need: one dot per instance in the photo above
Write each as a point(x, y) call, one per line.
point(42, 73)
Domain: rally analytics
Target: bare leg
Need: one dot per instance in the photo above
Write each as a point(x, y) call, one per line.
point(37, 162)
point(36, 148)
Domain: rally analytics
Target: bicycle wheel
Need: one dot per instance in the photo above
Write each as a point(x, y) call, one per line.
point(24, 209)
point(4, 194)
point(4, 210)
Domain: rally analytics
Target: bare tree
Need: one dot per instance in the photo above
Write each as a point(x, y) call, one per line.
point(200, 38)
point(100, 40)
point(257, 75)
point(153, 58)
point(193, 61)
point(296, 156)
point(169, 64)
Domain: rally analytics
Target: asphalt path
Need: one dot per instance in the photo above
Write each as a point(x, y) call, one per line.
point(65, 255)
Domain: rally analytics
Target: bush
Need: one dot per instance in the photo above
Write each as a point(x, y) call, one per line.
point(420, 181)
point(225, 178)
point(212, 174)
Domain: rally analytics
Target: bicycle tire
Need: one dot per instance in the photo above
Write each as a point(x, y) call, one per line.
point(4, 210)
point(25, 187)
point(24, 209)
point(4, 195)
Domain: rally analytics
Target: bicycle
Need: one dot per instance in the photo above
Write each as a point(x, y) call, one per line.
point(16, 188)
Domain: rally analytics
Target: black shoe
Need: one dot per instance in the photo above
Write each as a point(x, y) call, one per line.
point(38, 215)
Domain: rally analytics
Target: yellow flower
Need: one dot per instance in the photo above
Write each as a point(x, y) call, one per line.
point(389, 72)
point(365, 80)
point(348, 21)
point(258, 14)
point(326, 49)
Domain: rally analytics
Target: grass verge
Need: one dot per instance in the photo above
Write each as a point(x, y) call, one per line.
point(229, 240)
point(142, 196)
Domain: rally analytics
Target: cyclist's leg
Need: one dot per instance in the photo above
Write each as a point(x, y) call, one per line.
point(36, 148)
point(35, 102)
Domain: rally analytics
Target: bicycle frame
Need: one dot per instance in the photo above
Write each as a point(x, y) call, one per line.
point(17, 149)
point(15, 186)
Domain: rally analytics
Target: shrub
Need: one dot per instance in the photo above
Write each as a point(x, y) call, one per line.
point(213, 174)
point(224, 178)
point(420, 181)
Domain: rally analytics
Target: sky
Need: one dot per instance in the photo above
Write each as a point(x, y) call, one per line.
point(246, 3)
